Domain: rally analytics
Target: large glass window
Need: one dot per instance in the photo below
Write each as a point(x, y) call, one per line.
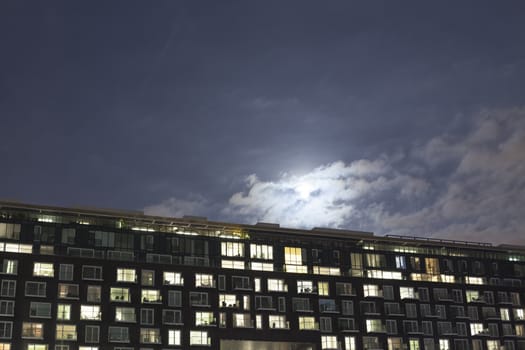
point(307, 323)
point(120, 294)
point(35, 289)
point(173, 278)
point(64, 312)
point(43, 269)
point(68, 291)
point(199, 338)
point(92, 273)
point(235, 249)
point(92, 333)
point(32, 330)
point(204, 280)
point(6, 329)
point(278, 321)
point(329, 342)
point(293, 256)
point(277, 285)
point(174, 298)
point(174, 337)
point(66, 332)
point(93, 294)
point(7, 308)
point(261, 251)
point(171, 316)
point(150, 335)
point(126, 275)
point(10, 267)
point(151, 296)
point(204, 318)
point(147, 278)
point(125, 314)
point(65, 272)
point(41, 310)
point(90, 312)
point(118, 334)
point(8, 288)
point(147, 316)
point(9, 231)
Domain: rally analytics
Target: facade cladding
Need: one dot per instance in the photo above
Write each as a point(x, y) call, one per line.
point(89, 279)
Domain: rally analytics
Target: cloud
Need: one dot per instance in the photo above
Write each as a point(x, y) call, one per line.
point(468, 185)
point(175, 207)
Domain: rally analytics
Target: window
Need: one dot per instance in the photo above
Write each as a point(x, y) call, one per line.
point(261, 266)
point(174, 337)
point(9, 231)
point(7, 307)
point(410, 326)
point(10, 267)
point(199, 338)
point(125, 314)
point(63, 312)
point(235, 249)
point(6, 329)
point(492, 344)
point(329, 342)
point(228, 300)
point(372, 290)
point(350, 343)
point(65, 272)
point(31, 330)
point(278, 321)
point(93, 294)
point(427, 328)
point(151, 296)
point(391, 326)
point(36, 347)
point(92, 334)
point(325, 324)
point(346, 324)
point(261, 251)
point(400, 262)
point(368, 307)
point(432, 266)
point(241, 282)
point(35, 289)
point(204, 280)
point(277, 285)
point(347, 307)
point(68, 235)
point(281, 302)
point(67, 291)
point(293, 256)
point(43, 269)
point(375, 260)
point(147, 278)
point(411, 310)
point(8, 288)
point(307, 323)
point(174, 298)
point(198, 299)
point(173, 278)
point(444, 328)
point(374, 326)
point(476, 328)
point(119, 294)
point(92, 273)
point(343, 288)
point(118, 335)
point(323, 288)
point(504, 314)
point(305, 287)
point(150, 335)
point(66, 332)
point(147, 316)
point(90, 312)
point(126, 275)
point(327, 305)
point(407, 293)
point(242, 321)
point(263, 302)
point(171, 316)
point(40, 310)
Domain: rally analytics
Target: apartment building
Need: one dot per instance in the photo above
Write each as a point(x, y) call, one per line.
point(90, 279)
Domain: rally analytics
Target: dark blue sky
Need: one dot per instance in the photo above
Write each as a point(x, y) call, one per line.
point(362, 115)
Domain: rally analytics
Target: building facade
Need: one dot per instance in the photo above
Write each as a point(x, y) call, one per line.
point(90, 279)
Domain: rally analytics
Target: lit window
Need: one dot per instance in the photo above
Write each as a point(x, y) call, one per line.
point(151, 296)
point(350, 343)
point(329, 342)
point(277, 285)
point(204, 318)
point(261, 266)
point(9, 231)
point(67, 291)
point(261, 251)
point(323, 288)
point(120, 294)
point(90, 312)
point(235, 249)
point(305, 287)
point(10, 267)
point(43, 269)
point(63, 312)
point(125, 314)
point(432, 266)
point(173, 278)
point(228, 300)
point(147, 278)
point(325, 270)
point(150, 335)
point(126, 275)
point(232, 264)
point(36, 347)
point(278, 321)
point(293, 256)
point(371, 290)
point(174, 337)
point(307, 323)
point(203, 280)
point(375, 260)
point(242, 321)
point(199, 338)
point(32, 330)
point(400, 262)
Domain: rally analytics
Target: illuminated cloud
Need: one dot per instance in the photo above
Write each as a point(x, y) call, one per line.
point(465, 186)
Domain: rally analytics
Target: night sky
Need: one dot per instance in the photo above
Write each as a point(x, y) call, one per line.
point(398, 117)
